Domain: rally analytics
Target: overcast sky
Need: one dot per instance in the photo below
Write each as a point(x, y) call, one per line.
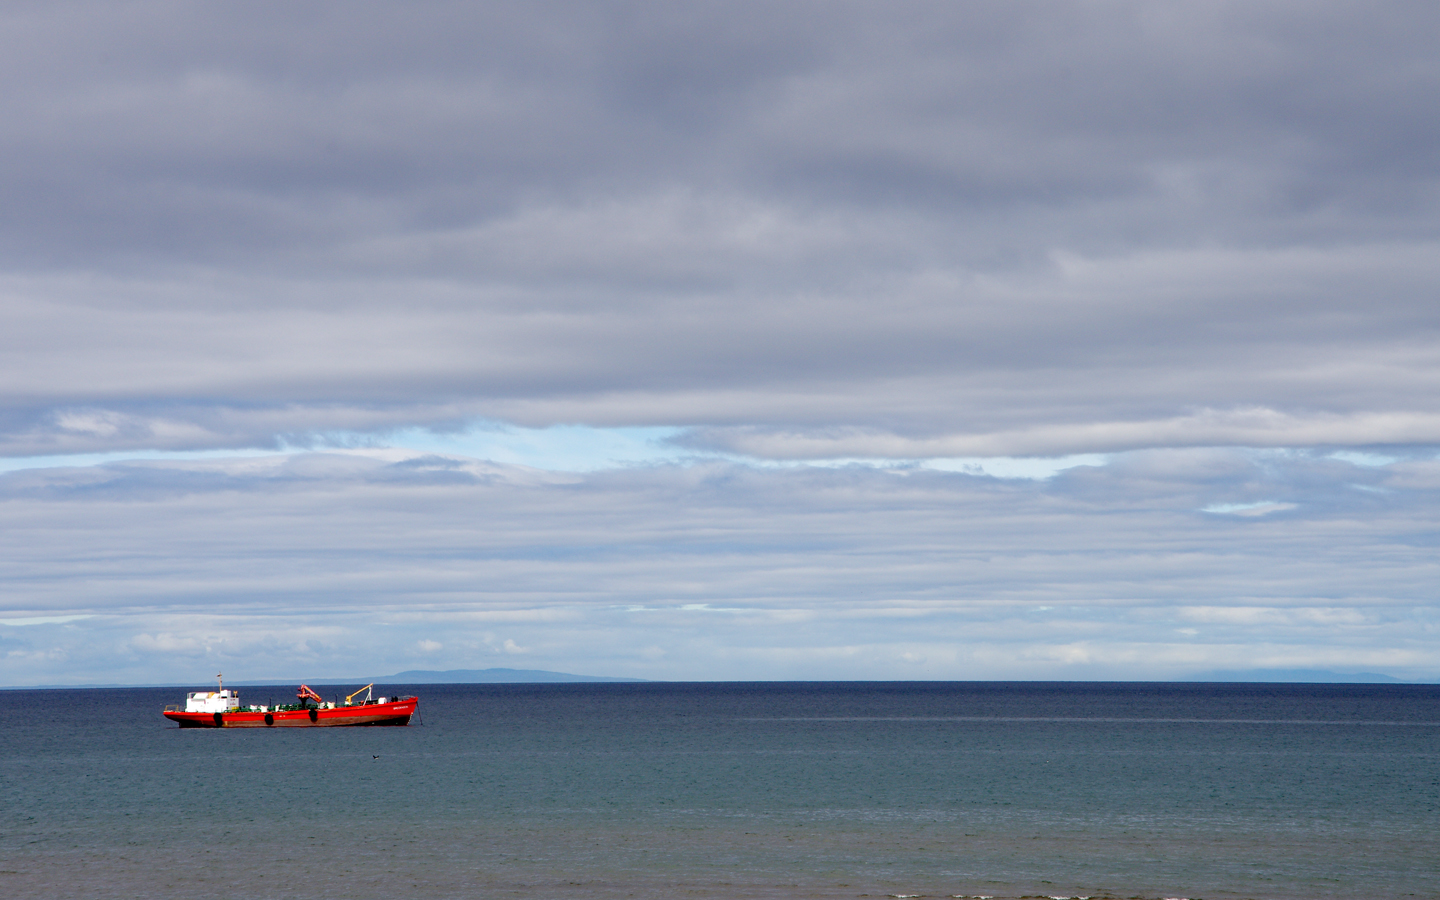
point(727, 340)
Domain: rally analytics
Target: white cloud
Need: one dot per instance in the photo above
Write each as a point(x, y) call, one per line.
point(41, 620)
point(328, 565)
point(1256, 615)
point(1258, 508)
point(172, 644)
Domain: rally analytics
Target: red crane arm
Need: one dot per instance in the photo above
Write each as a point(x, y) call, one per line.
point(305, 693)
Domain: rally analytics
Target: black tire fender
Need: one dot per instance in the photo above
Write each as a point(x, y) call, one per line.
point(269, 719)
point(219, 721)
point(314, 715)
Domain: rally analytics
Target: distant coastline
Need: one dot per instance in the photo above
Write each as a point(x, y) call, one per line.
point(493, 676)
point(1296, 676)
point(543, 676)
point(412, 676)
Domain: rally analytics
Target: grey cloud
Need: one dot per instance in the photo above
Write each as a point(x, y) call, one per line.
point(806, 230)
point(1102, 356)
point(178, 132)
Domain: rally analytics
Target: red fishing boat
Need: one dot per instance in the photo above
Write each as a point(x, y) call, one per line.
point(222, 709)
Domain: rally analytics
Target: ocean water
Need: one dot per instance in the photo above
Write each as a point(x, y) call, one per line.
point(839, 790)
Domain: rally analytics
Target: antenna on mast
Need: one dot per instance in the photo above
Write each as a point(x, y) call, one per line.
point(219, 678)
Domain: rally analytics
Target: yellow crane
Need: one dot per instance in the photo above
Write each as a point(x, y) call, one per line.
point(366, 689)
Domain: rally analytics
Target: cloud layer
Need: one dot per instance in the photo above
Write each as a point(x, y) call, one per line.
point(741, 243)
point(802, 230)
point(360, 564)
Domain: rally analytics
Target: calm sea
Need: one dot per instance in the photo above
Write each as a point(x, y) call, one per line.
point(839, 790)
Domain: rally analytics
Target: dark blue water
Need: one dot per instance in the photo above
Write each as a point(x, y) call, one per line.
point(736, 790)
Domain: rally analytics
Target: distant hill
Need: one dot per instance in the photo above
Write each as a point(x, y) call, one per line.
point(1298, 676)
point(491, 676)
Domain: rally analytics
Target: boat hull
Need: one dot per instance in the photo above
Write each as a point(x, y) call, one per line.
point(394, 713)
